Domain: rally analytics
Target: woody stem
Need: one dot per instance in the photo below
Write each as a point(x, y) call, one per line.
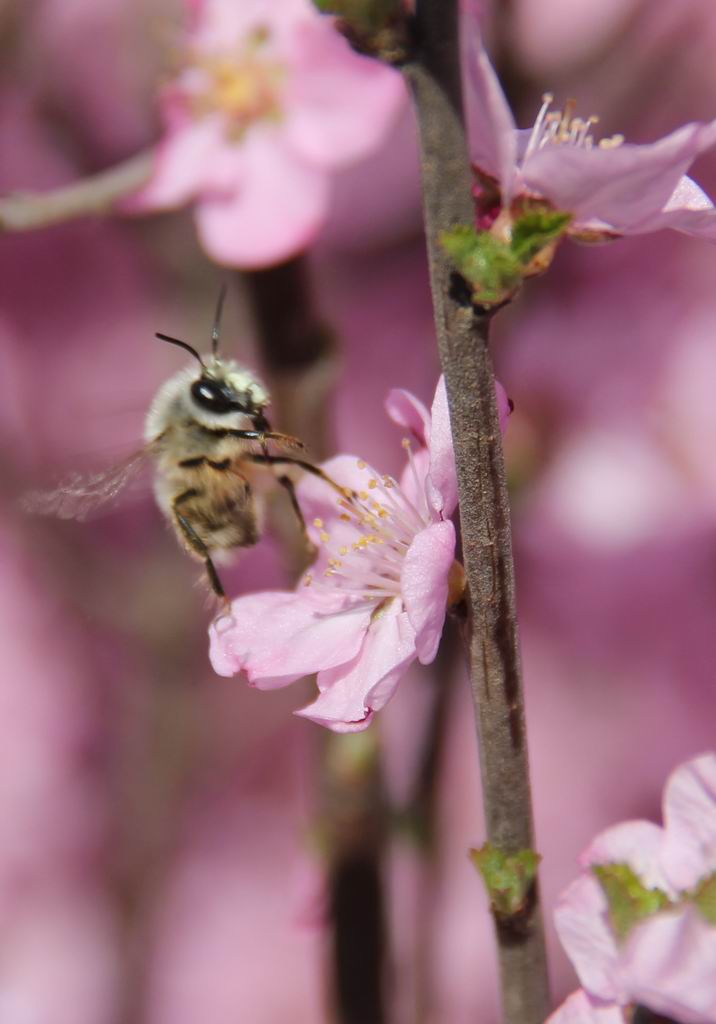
point(433, 75)
point(98, 194)
point(299, 353)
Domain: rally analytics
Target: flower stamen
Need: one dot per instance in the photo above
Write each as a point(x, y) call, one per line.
point(386, 521)
point(244, 85)
point(563, 128)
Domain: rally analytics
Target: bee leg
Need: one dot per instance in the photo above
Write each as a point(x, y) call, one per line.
point(308, 467)
point(262, 424)
point(199, 547)
point(288, 485)
point(262, 436)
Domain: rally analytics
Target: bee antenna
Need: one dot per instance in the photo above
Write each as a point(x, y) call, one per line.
point(181, 344)
point(217, 320)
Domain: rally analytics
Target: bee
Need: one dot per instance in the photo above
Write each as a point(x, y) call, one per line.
point(209, 438)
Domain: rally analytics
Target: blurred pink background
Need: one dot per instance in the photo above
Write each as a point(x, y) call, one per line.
point(159, 858)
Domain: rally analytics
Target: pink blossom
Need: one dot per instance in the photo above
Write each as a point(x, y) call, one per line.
point(665, 962)
point(271, 102)
point(377, 598)
point(611, 187)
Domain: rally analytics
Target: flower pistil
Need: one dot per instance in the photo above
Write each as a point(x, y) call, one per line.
point(245, 86)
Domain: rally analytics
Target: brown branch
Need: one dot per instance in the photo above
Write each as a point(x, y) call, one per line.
point(27, 211)
point(298, 351)
point(355, 824)
point(434, 78)
point(297, 348)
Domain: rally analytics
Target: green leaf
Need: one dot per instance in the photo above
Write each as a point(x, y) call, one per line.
point(535, 229)
point(629, 900)
point(508, 877)
point(705, 898)
point(486, 262)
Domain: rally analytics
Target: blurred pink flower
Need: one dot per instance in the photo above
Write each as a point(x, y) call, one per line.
point(385, 591)
point(666, 961)
point(580, 1009)
point(610, 188)
point(271, 102)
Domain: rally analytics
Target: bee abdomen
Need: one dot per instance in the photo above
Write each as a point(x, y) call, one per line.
point(226, 521)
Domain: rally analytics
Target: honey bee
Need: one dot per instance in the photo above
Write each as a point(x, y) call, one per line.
point(210, 441)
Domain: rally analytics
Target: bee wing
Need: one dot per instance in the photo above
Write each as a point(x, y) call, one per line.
point(79, 496)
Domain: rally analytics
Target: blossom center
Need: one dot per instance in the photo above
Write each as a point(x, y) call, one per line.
point(245, 85)
point(375, 528)
point(563, 128)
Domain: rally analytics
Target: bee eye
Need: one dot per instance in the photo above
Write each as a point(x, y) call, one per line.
point(210, 395)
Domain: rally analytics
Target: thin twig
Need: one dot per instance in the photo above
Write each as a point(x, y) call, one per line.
point(27, 211)
point(434, 77)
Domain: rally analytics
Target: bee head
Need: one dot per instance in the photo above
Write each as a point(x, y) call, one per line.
point(226, 387)
point(224, 394)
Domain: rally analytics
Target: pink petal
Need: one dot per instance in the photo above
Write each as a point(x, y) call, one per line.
point(352, 693)
point(580, 918)
point(409, 412)
point(490, 125)
point(346, 470)
point(319, 501)
point(442, 478)
point(339, 106)
point(278, 637)
point(669, 963)
point(580, 1009)
point(442, 481)
point(623, 187)
point(698, 223)
point(182, 167)
point(414, 483)
point(636, 843)
point(689, 209)
point(218, 25)
point(688, 195)
point(689, 850)
point(424, 585)
point(277, 212)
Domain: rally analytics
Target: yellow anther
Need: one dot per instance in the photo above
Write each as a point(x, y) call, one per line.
point(325, 537)
point(344, 550)
point(318, 523)
point(345, 518)
point(405, 442)
point(363, 495)
point(611, 143)
point(361, 464)
point(372, 484)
